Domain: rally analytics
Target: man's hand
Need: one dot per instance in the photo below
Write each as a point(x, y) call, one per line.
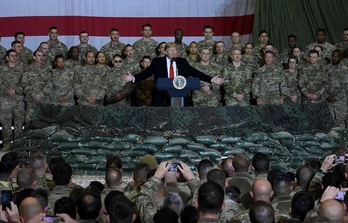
point(293, 98)
point(11, 92)
point(118, 97)
point(314, 97)
point(12, 214)
point(147, 101)
point(162, 170)
point(328, 163)
point(217, 80)
point(63, 99)
point(329, 193)
point(91, 100)
point(259, 101)
point(128, 77)
point(239, 97)
point(186, 171)
point(38, 98)
point(309, 96)
point(66, 218)
point(281, 101)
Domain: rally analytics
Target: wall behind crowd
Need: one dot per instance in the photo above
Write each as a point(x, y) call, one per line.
point(97, 17)
point(302, 18)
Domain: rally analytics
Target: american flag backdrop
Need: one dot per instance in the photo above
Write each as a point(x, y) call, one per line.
point(34, 17)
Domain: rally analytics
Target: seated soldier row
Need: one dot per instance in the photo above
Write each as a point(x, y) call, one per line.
point(236, 190)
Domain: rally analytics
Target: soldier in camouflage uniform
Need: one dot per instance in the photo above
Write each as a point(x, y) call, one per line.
point(268, 85)
point(117, 90)
point(90, 87)
point(276, 59)
point(131, 62)
point(263, 40)
point(249, 59)
point(343, 45)
point(28, 53)
point(56, 47)
point(181, 47)
point(209, 94)
point(192, 54)
point(146, 45)
point(63, 84)
point(73, 58)
point(84, 47)
point(313, 80)
point(38, 162)
point(291, 80)
point(337, 89)
point(221, 56)
point(284, 55)
point(37, 84)
point(143, 89)
point(2, 53)
point(45, 49)
point(327, 47)
point(237, 81)
point(11, 95)
point(18, 47)
point(236, 44)
point(114, 46)
point(301, 61)
point(208, 42)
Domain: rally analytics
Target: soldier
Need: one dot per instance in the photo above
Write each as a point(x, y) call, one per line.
point(301, 61)
point(117, 90)
point(313, 80)
point(11, 94)
point(56, 47)
point(160, 49)
point(100, 59)
point(192, 53)
point(27, 53)
point(143, 89)
point(2, 53)
point(114, 46)
point(84, 47)
point(181, 47)
point(63, 85)
point(146, 45)
point(263, 40)
point(130, 63)
point(209, 95)
point(18, 47)
point(291, 80)
point(37, 84)
point(221, 56)
point(327, 47)
point(284, 55)
point(90, 87)
point(321, 61)
point(337, 90)
point(208, 42)
point(236, 44)
point(38, 162)
point(248, 58)
point(343, 46)
point(237, 81)
point(73, 58)
point(44, 48)
point(268, 85)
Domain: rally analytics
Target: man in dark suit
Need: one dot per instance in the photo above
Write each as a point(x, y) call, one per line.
point(160, 68)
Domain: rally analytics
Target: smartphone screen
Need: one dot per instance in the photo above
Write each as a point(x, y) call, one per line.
point(52, 219)
point(6, 198)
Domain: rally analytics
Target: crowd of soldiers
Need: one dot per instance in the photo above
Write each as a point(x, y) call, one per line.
point(237, 190)
point(253, 74)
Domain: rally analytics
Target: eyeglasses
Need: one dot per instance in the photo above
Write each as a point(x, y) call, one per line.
point(117, 61)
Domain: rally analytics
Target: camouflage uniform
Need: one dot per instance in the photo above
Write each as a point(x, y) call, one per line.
point(291, 82)
point(11, 107)
point(110, 49)
point(143, 47)
point(343, 47)
point(41, 182)
point(3, 52)
point(115, 85)
point(244, 216)
point(222, 61)
point(63, 85)
point(56, 48)
point(28, 53)
point(131, 66)
point(231, 209)
point(250, 61)
point(72, 64)
point(282, 203)
point(37, 80)
point(237, 81)
point(181, 49)
point(284, 55)
point(89, 83)
point(204, 44)
point(269, 84)
point(147, 203)
point(181, 188)
point(57, 193)
point(338, 83)
point(200, 98)
point(209, 220)
point(24, 60)
point(191, 61)
point(313, 79)
point(237, 46)
point(327, 49)
point(132, 192)
point(244, 182)
point(83, 49)
point(143, 90)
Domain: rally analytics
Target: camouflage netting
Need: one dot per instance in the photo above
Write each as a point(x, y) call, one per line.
point(118, 120)
point(86, 136)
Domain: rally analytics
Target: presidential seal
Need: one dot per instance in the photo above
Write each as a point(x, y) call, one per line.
point(179, 82)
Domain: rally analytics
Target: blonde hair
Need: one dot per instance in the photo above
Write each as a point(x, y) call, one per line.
point(170, 45)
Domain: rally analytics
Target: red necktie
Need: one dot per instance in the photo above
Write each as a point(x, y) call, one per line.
point(171, 70)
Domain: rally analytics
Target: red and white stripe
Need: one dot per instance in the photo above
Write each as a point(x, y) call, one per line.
point(34, 17)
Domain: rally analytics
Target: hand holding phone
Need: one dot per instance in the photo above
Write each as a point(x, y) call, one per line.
point(6, 198)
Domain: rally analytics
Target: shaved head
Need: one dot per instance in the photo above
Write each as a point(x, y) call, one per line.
point(333, 210)
point(29, 208)
point(261, 190)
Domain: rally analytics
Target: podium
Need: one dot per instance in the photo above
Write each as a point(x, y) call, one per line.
point(178, 88)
